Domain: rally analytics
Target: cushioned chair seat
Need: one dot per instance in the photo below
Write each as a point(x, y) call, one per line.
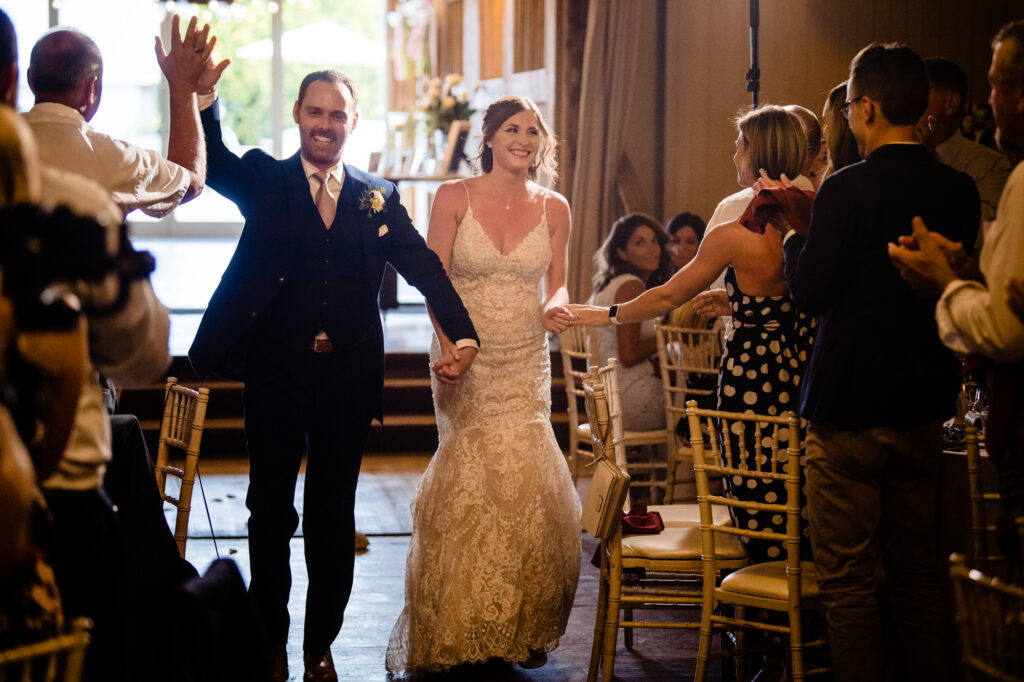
point(681, 515)
point(679, 543)
point(644, 437)
point(769, 580)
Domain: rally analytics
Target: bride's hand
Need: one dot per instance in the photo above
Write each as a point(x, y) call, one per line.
point(557, 319)
point(453, 364)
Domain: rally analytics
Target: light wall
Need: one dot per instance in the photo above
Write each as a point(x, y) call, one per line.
point(805, 49)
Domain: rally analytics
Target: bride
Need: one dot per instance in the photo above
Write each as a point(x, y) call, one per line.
point(495, 552)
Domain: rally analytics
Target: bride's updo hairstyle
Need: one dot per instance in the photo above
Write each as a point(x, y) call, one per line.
point(505, 108)
point(774, 140)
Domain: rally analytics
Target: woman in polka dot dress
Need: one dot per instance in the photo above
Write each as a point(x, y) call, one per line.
point(768, 349)
point(761, 369)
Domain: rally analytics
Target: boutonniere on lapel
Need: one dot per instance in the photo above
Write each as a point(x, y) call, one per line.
point(372, 200)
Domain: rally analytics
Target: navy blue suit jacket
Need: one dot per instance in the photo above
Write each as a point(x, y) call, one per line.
point(877, 359)
point(273, 196)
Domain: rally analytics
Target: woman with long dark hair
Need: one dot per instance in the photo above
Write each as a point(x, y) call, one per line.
point(633, 258)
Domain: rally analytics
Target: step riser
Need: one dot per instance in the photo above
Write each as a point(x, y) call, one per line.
point(408, 409)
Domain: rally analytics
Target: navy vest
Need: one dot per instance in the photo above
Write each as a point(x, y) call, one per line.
point(325, 287)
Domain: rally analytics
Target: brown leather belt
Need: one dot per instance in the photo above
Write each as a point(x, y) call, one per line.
point(322, 346)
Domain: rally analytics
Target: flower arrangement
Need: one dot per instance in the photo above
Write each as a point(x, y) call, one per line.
point(441, 105)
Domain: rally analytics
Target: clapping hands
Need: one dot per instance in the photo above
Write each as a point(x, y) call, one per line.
point(929, 261)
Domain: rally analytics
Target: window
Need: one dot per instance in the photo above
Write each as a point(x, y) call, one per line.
point(347, 35)
point(272, 44)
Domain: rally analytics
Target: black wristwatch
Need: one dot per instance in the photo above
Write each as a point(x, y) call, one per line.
point(613, 314)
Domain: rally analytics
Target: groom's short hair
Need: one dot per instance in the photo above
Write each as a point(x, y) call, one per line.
point(329, 76)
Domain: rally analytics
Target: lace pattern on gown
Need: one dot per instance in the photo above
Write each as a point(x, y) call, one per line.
point(495, 553)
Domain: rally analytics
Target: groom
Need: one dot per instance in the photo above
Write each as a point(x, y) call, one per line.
point(295, 317)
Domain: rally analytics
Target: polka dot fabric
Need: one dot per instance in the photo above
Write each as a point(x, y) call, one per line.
point(761, 369)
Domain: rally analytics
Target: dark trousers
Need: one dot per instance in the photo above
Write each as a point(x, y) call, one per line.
point(871, 497)
point(302, 403)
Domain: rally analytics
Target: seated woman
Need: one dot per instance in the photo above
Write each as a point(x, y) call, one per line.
point(633, 258)
point(768, 350)
point(685, 231)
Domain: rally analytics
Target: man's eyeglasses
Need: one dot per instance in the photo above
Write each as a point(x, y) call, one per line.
point(845, 109)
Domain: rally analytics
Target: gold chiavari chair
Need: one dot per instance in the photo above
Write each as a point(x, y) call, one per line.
point(670, 561)
point(577, 353)
point(689, 359)
point(58, 659)
point(787, 586)
point(181, 429)
point(990, 621)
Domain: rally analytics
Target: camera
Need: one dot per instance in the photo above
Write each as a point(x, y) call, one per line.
point(51, 259)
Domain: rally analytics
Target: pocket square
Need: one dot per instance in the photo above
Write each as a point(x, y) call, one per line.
point(382, 230)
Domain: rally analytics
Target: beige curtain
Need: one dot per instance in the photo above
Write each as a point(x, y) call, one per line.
point(616, 59)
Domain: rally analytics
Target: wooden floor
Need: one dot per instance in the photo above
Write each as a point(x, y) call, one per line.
point(382, 511)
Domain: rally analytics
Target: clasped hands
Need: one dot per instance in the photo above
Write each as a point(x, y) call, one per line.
point(453, 363)
point(929, 261)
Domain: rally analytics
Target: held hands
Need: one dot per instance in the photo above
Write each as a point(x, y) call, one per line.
point(928, 261)
point(588, 315)
point(453, 363)
point(712, 304)
point(557, 319)
point(188, 66)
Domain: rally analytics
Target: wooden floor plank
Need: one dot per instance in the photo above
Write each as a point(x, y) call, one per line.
point(387, 484)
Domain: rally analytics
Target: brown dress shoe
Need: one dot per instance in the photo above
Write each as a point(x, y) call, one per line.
point(278, 664)
point(319, 668)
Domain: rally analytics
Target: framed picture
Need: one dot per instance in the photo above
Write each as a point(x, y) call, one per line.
point(454, 152)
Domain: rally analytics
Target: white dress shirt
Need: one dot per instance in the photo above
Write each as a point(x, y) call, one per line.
point(135, 177)
point(129, 344)
point(973, 317)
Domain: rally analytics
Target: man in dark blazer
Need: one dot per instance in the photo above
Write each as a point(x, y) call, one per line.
point(879, 382)
point(295, 317)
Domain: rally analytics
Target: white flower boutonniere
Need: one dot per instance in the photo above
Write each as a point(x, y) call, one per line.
point(372, 200)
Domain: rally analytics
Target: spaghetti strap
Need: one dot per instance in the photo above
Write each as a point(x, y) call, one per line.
point(463, 183)
point(544, 209)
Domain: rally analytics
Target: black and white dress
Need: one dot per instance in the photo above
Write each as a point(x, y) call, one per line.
point(762, 365)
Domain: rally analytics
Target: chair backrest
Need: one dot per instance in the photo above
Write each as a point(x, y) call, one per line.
point(578, 353)
point(686, 355)
point(982, 530)
point(608, 375)
point(58, 659)
point(609, 485)
point(720, 449)
point(181, 429)
point(990, 620)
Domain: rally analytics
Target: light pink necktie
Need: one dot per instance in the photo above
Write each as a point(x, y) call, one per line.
point(325, 203)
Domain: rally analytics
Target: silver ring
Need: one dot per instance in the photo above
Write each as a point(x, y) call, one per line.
point(197, 50)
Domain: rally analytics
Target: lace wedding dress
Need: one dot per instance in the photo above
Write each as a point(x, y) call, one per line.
point(495, 552)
